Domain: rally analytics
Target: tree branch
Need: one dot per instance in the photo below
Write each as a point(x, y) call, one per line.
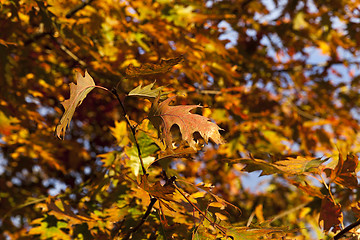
point(220, 228)
point(143, 219)
point(133, 129)
point(346, 230)
point(77, 8)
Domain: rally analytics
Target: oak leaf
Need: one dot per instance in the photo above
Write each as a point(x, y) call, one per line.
point(300, 164)
point(345, 172)
point(157, 190)
point(146, 91)
point(331, 216)
point(150, 68)
point(163, 117)
point(63, 211)
point(77, 95)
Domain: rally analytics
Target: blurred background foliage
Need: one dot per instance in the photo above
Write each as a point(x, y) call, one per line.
point(280, 77)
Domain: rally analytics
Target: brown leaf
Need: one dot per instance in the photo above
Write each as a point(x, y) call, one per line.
point(355, 209)
point(308, 189)
point(150, 68)
point(157, 190)
point(77, 94)
point(344, 173)
point(163, 117)
point(330, 214)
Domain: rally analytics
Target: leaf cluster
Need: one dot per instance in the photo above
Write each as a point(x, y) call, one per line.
point(261, 142)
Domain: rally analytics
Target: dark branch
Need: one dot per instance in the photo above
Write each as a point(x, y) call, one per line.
point(143, 219)
point(347, 229)
point(133, 130)
point(77, 8)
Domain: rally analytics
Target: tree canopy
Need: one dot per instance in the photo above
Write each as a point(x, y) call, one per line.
point(144, 119)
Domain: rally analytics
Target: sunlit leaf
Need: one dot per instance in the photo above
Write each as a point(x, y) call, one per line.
point(134, 160)
point(163, 117)
point(7, 124)
point(146, 91)
point(299, 164)
point(252, 164)
point(246, 233)
point(77, 95)
point(120, 132)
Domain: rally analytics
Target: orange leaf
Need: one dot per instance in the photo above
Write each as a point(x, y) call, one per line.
point(157, 190)
point(163, 117)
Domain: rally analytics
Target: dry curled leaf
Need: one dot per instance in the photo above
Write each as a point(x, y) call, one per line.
point(77, 95)
point(150, 68)
point(163, 117)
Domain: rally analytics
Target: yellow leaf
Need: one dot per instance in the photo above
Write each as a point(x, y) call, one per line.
point(299, 21)
point(120, 132)
point(324, 47)
point(217, 205)
point(221, 216)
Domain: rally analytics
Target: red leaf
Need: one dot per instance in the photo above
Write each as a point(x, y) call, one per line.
point(163, 117)
point(330, 214)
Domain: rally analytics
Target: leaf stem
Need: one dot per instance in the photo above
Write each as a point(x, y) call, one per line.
point(133, 129)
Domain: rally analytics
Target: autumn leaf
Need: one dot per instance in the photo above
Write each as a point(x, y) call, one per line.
point(146, 91)
point(345, 172)
point(163, 117)
point(157, 190)
point(61, 210)
point(247, 233)
point(330, 214)
point(134, 162)
point(150, 68)
point(239, 233)
point(77, 95)
point(253, 164)
point(7, 124)
point(120, 133)
point(299, 164)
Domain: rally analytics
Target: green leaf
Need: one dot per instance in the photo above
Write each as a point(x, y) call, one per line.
point(134, 161)
point(77, 95)
point(146, 91)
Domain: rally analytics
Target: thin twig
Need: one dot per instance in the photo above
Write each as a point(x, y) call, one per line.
point(77, 8)
point(133, 129)
point(252, 215)
point(71, 54)
point(143, 219)
point(347, 229)
point(283, 214)
point(197, 209)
